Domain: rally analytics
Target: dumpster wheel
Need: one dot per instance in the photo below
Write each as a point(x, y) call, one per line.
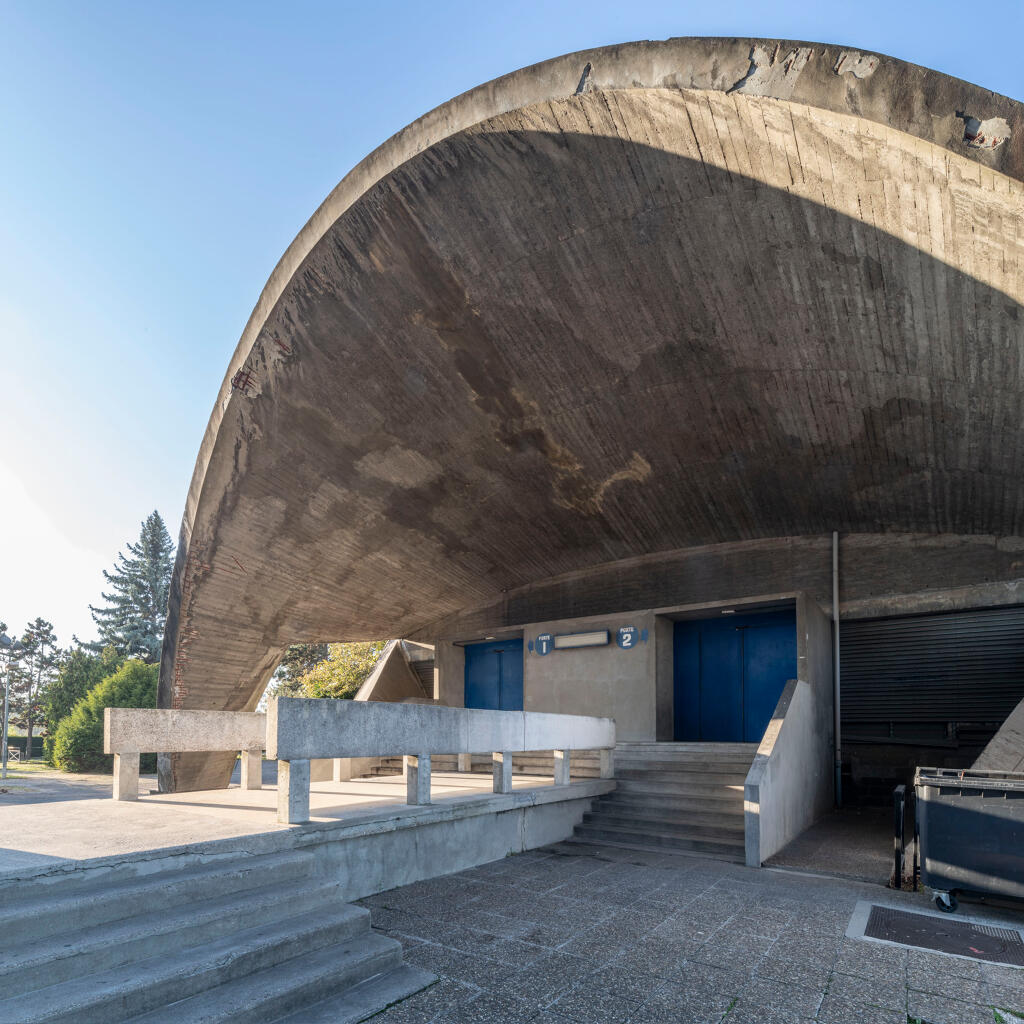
point(946, 901)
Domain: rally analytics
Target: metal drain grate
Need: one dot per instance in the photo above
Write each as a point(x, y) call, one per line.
point(925, 931)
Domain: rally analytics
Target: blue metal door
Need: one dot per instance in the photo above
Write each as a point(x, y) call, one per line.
point(494, 675)
point(729, 675)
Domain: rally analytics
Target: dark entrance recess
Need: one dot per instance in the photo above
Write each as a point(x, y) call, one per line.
point(925, 931)
point(729, 674)
point(924, 689)
point(494, 675)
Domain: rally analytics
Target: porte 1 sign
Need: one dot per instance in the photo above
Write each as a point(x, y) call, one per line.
point(544, 643)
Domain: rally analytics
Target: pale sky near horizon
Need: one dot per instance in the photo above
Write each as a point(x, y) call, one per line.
point(156, 161)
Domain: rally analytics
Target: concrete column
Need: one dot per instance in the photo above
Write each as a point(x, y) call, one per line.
point(502, 764)
point(608, 764)
point(126, 776)
point(417, 779)
point(342, 769)
point(252, 769)
point(465, 762)
point(562, 775)
point(292, 792)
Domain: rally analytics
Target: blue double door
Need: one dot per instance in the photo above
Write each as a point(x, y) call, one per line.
point(729, 674)
point(494, 675)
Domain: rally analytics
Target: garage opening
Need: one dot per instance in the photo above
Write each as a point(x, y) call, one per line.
point(924, 690)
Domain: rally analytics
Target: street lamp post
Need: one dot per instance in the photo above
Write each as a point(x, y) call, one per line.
point(13, 649)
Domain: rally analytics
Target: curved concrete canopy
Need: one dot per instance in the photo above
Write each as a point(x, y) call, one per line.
point(624, 302)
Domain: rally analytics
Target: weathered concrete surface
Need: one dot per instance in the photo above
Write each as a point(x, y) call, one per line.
point(301, 728)
point(1005, 751)
point(708, 292)
point(624, 935)
point(790, 784)
point(59, 834)
point(392, 678)
point(148, 730)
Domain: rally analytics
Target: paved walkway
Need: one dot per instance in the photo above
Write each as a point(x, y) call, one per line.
point(596, 935)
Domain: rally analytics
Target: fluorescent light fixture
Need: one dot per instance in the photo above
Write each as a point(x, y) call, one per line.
point(728, 611)
point(599, 638)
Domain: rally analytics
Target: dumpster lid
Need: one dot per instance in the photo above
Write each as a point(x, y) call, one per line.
point(975, 778)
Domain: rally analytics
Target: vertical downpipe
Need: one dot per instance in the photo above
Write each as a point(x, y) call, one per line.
point(835, 672)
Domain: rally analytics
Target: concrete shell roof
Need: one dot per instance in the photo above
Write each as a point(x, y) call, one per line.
point(626, 301)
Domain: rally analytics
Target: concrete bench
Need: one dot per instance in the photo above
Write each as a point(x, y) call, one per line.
point(300, 730)
point(130, 732)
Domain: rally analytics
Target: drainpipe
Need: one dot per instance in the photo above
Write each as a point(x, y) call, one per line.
point(835, 670)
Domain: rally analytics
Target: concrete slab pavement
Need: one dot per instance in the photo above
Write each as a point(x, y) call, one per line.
point(598, 935)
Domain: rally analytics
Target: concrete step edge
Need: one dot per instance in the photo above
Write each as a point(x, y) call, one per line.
point(146, 984)
point(660, 839)
point(365, 1000)
point(294, 985)
point(698, 830)
point(94, 949)
point(29, 916)
point(582, 842)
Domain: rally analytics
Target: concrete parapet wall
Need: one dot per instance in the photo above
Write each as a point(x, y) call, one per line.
point(302, 729)
point(148, 730)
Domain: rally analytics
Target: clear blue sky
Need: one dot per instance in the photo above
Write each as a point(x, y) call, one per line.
point(157, 158)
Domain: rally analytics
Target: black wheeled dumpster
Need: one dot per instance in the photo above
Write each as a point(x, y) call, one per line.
point(970, 827)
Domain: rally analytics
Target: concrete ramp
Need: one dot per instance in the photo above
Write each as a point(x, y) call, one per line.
point(1005, 751)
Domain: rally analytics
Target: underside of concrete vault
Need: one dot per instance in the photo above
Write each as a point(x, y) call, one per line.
point(634, 301)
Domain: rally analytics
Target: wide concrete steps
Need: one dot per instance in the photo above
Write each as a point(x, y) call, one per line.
point(255, 939)
point(674, 797)
point(645, 836)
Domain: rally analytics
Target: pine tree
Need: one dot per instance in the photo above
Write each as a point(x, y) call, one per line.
point(28, 685)
point(136, 609)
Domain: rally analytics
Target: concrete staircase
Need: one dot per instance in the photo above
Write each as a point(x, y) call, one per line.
point(675, 797)
point(251, 939)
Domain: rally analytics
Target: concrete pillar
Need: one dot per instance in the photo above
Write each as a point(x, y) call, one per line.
point(342, 769)
point(252, 769)
point(562, 775)
point(417, 779)
point(292, 792)
point(502, 764)
point(126, 776)
point(608, 764)
point(465, 762)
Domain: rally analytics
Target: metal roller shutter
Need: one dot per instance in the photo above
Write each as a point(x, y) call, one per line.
point(954, 667)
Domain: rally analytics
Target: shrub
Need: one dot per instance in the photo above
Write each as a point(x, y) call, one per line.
point(78, 745)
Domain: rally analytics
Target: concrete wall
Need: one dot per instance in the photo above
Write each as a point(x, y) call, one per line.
point(880, 574)
point(790, 784)
point(1005, 751)
point(605, 681)
point(392, 679)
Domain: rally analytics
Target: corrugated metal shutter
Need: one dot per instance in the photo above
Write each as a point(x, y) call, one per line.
point(953, 667)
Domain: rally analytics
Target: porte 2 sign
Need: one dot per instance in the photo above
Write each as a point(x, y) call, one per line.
point(627, 637)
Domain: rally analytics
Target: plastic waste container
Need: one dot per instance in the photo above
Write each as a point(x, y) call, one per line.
point(970, 827)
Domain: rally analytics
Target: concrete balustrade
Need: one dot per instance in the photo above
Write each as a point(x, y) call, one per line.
point(300, 730)
point(130, 732)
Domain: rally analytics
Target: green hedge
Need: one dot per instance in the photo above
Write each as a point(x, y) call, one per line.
point(78, 745)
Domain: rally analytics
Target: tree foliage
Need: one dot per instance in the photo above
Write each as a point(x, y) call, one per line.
point(32, 675)
point(345, 669)
point(132, 621)
point(78, 672)
point(78, 745)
